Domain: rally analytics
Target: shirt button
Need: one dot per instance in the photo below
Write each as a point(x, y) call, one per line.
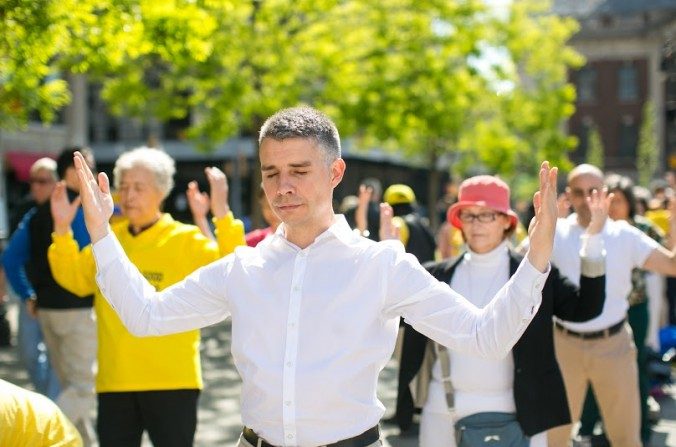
point(289, 436)
point(296, 288)
point(289, 364)
point(287, 403)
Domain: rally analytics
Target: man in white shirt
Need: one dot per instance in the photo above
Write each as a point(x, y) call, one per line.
point(315, 308)
point(601, 351)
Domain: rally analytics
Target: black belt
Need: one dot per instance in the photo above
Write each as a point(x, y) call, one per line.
point(612, 330)
point(367, 438)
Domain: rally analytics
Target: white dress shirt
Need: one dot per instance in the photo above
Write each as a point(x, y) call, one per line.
point(626, 248)
point(312, 328)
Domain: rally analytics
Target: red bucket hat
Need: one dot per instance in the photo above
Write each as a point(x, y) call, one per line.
point(482, 190)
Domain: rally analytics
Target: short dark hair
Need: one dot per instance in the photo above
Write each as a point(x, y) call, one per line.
point(625, 185)
point(303, 122)
point(65, 159)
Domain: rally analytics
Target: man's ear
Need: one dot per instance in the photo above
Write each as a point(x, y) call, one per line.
point(337, 171)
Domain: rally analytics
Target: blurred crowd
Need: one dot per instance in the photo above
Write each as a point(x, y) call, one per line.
point(585, 357)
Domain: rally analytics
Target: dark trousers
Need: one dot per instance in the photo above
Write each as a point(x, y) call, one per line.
point(637, 316)
point(412, 354)
point(671, 298)
point(169, 416)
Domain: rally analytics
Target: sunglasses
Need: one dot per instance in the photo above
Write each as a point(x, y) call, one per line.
point(579, 192)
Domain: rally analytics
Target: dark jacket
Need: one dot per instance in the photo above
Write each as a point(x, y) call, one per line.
point(539, 392)
point(49, 294)
point(422, 245)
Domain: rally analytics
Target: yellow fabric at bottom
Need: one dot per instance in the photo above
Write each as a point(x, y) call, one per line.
point(32, 420)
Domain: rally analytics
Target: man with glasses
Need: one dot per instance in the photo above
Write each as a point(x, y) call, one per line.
point(32, 351)
point(601, 351)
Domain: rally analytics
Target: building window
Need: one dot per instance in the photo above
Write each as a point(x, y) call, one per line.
point(586, 84)
point(627, 83)
point(628, 138)
point(583, 137)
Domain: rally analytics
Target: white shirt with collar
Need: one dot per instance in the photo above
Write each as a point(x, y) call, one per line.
point(312, 328)
point(626, 248)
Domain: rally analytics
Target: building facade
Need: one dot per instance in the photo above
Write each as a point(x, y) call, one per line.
point(626, 45)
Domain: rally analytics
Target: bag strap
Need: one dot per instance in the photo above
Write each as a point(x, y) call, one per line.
point(445, 363)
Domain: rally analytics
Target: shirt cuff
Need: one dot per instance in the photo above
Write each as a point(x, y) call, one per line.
point(106, 251)
point(592, 256)
point(64, 241)
point(227, 222)
point(529, 282)
point(592, 246)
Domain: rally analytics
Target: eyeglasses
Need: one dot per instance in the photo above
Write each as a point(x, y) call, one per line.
point(486, 217)
point(41, 181)
point(578, 192)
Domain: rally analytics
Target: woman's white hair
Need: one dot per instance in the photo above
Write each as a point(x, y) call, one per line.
point(44, 164)
point(158, 162)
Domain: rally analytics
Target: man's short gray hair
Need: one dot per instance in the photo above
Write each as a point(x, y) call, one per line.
point(158, 162)
point(303, 122)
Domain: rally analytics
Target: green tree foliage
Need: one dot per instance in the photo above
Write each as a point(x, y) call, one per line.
point(595, 151)
point(647, 156)
point(523, 122)
point(31, 37)
point(404, 74)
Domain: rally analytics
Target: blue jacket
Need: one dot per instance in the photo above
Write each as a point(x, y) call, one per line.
point(17, 254)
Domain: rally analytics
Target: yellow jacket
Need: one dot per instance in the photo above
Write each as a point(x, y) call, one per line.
point(32, 420)
point(165, 254)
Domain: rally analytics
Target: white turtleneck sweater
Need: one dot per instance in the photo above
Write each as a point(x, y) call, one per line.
point(479, 384)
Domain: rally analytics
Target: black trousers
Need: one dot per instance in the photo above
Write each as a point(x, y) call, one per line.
point(169, 416)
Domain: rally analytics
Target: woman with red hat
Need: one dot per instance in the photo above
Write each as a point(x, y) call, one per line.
point(516, 399)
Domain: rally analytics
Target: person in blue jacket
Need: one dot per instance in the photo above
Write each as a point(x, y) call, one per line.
point(32, 351)
point(67, 321)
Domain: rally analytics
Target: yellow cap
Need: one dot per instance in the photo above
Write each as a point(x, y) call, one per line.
point(396, 194)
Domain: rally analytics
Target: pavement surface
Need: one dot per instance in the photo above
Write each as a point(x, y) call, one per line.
point(219, 421)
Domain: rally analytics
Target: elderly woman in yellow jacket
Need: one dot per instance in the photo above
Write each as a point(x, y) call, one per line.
point(150, 383)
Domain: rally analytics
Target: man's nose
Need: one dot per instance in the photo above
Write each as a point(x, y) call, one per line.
point(285, 185)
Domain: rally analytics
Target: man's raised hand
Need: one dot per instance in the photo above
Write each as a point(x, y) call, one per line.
point(97, 203)
point(598, 203)
point(218, 188)
point(63, 210)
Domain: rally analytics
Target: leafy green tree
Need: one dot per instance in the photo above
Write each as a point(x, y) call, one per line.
point(647, 154)
point(429, 92)
point(595, 150)
point(401, 74)
point(31, 36)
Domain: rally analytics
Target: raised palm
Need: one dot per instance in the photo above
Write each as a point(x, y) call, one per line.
point(543, 225)
point(598, 203)
point(97, 203)
point(198, 201)
point(63, 210)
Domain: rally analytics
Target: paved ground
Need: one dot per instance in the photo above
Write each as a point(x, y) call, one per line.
point(219, 421)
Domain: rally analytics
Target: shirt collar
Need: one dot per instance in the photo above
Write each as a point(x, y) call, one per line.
point(339, 230)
